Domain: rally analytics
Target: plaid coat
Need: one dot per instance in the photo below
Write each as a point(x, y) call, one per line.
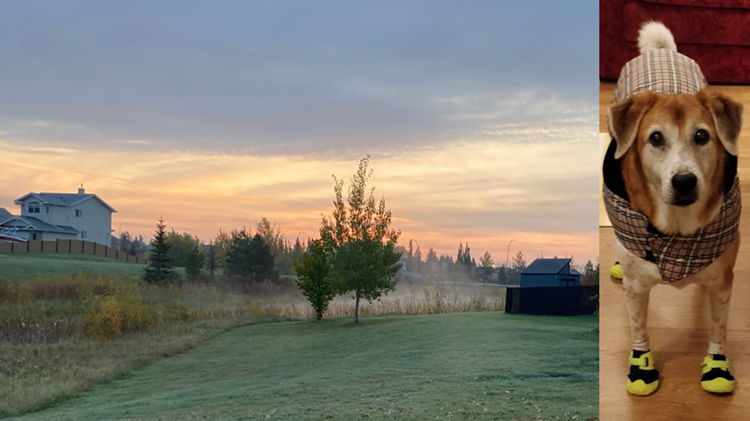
point(676, 256)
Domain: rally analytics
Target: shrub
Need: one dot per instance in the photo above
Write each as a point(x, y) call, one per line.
point(115, 315)
point(175, 312)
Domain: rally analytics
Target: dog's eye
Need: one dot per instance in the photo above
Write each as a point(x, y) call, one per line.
point(656, 139)
point(701, 137)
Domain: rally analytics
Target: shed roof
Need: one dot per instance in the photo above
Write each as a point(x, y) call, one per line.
point(547, 266)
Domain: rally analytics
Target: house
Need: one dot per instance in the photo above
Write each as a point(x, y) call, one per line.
point(65, 216)
point(550, 273)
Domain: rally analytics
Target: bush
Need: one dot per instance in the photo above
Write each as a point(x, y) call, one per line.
point(115, 315)
point(175, 312)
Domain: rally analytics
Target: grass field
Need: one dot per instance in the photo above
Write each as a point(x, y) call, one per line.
point(24, 265)
point(486, 365)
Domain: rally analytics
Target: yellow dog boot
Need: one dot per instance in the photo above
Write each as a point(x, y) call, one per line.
point(643, 379)
point(716, 377)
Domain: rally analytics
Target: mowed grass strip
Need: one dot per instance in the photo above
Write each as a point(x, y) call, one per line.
point(25, 265)
point(463, 366)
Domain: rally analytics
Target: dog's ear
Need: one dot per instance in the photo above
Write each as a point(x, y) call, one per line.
point(727, 116)
point(625, 118)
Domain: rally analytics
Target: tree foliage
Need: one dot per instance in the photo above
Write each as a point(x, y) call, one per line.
point(195, 261)
point(312, 278)
point(359, 240)
point(519, 263)
point(250, 258)
point(181, 244)
point(159, 268)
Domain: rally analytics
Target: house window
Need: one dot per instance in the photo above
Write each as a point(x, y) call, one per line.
point(79, 213)
point(33, 236)
point(33, 207)
point(83, 234)
point(46, 209)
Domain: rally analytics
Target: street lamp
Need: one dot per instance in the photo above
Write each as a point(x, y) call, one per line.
point(507, 256)
point(119, 231)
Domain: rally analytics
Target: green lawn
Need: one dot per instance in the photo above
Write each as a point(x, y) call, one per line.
point(489, 365)
point(25, 265)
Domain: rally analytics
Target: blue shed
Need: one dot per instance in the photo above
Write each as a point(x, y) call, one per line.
point(550, 273)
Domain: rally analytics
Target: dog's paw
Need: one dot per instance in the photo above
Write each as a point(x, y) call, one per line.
point(716, 376)
point(643, 378)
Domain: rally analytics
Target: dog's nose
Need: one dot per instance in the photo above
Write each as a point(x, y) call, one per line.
point(684, 183)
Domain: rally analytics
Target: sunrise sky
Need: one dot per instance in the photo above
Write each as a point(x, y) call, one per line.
point(480, 116)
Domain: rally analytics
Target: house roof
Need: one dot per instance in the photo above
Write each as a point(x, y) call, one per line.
point(546, 266)
point(63, 199)
point(35, 224)
point(5, 215)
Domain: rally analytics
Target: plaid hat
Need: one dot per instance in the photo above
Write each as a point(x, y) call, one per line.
point(676, 256)
point(660, 71)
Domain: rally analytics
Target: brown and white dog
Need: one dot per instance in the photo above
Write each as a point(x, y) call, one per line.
point(672, 195)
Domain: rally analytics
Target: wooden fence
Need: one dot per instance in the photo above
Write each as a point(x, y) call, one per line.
point(70, 246)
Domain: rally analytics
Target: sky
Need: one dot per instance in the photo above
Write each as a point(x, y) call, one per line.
point(481, 117)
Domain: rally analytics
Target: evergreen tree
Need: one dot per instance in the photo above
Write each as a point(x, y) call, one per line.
point(159, 268)
point(313, 280)
point(195, 261)
point(250, 257)
point(519, 263)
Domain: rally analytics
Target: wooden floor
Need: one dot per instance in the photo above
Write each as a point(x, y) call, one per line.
point(678, 323)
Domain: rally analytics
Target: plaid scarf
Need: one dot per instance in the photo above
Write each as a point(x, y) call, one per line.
point(676, 256)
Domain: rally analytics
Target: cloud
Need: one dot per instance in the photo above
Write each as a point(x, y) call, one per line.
point(541, 194)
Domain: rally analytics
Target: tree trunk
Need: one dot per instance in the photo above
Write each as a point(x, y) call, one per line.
point(356, 309)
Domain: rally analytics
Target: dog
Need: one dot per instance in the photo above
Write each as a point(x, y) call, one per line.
point(672, 194)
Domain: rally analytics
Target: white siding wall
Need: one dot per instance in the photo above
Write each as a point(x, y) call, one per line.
point(96, 221)
point(52, 236)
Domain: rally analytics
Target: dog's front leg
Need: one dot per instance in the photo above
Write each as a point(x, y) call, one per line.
point(719, 295)
point(716, 376)
point(636, 297)
point(643, 378)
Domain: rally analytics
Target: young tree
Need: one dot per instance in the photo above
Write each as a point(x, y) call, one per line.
point(159, 268)
point(519, 264)
point(488, 266)
point(250, 257)
point(359, 241)
point(210, 263)
point(195, 261)
point(273, 236)
point(313, 280)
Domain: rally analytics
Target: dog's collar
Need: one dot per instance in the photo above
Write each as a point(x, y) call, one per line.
point(676, 256)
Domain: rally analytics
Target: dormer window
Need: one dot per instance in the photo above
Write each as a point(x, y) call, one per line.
point(33, 207)
point(79, 213)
